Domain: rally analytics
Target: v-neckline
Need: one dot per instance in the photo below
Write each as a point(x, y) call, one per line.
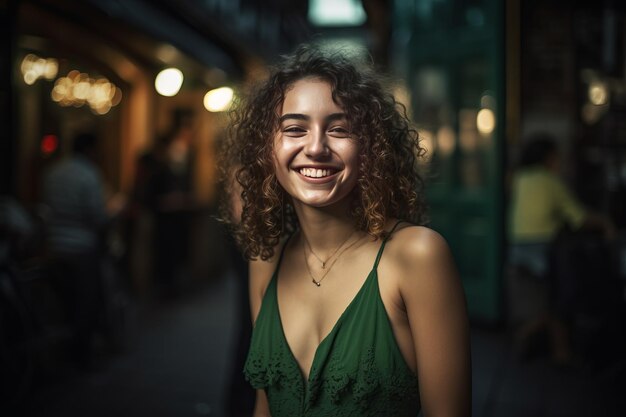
point(372, 272)
point(307, 379)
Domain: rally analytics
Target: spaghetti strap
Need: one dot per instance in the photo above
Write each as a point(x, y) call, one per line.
point(382, 246)
point(393, 229)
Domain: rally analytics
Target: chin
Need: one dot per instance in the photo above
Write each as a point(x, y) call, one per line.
point(315, 202)
point(322, 201)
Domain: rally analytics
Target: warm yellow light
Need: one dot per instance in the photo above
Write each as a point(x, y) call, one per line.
point(56, 95)
point(102, 109)
point(39, 66)
point(598, 93)
point(34, 68)
point(168, 82)
point(30, 77)
point(51, 69)
point(27, 63)
point(446, 140)
point(78, 89)
point(117, 96)
point(98, 95)
point(218, 99)
point(81, 90)
point(485, 121)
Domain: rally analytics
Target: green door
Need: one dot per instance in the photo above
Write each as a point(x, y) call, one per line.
point(453, 58)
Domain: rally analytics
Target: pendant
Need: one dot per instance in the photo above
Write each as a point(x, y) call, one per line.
point(323, 265)
point(316, 282)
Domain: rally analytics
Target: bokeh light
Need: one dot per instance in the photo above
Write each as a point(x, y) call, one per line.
point(446, 140)
point(485, 121)
point(34, 67)
point(49, 144)
point(78, 89)
point(168, 82)
point(336, 12)
point(598, 93)
point(218, 99)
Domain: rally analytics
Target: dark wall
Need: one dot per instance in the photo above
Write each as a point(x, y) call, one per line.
point(8, 13)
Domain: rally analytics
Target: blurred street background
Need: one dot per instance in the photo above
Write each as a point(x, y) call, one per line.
point(121, 293)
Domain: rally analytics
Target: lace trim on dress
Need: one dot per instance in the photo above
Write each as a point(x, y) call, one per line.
point(262, 371)
point(363, 382)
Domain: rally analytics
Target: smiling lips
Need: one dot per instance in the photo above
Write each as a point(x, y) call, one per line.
point(316, 173)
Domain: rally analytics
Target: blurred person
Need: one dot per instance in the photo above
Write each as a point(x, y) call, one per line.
point(76, 214)
point(542, 207)
point(353, 302)
point(166, 191)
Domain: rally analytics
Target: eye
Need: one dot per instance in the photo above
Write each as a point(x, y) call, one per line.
point(294, 131)
point(339, 131)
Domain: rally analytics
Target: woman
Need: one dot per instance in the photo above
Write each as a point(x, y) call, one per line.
point(352, 303)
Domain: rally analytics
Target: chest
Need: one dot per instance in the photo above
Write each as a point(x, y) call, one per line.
point(310, 313)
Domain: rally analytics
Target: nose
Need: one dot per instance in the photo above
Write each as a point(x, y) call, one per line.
point(317, 144)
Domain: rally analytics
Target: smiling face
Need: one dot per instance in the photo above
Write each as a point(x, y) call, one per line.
point(315, 157)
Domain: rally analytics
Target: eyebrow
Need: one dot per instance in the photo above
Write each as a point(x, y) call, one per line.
point(296, 116)
point(299, 116)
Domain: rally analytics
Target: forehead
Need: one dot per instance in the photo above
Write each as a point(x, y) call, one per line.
point(309, 96)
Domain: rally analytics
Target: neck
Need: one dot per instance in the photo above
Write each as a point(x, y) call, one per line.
point(324, 228)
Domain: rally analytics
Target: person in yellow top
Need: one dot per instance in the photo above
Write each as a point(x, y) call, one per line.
point(542, 206)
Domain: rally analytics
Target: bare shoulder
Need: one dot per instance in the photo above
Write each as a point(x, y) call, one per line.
point(423, 258)
point(261, 271)
point(417, 244)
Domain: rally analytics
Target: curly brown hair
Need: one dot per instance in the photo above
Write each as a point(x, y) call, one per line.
point(389, 184)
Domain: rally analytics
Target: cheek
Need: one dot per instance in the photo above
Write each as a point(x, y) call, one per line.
point(353, 158)
point(279, 157)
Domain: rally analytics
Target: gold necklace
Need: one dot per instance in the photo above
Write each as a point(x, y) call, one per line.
point(332, 254)
point(318, 282)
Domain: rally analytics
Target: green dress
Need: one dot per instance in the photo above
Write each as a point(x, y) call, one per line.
point(357, 369)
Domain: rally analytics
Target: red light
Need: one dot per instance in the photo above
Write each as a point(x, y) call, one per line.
point(49, 144)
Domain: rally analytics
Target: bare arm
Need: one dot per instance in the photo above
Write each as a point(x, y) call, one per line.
point(436, 309)
point(261, 407)
point(260, 275)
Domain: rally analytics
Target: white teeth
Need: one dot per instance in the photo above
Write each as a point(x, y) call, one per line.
point(315, 173)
